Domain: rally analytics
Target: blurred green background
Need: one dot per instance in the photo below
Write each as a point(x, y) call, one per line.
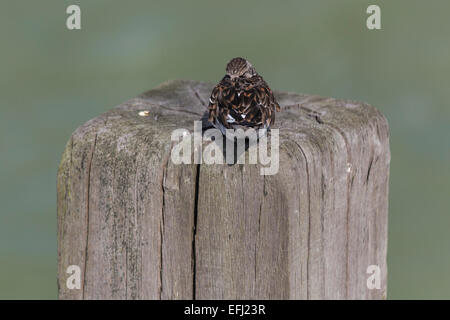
point(52, 80)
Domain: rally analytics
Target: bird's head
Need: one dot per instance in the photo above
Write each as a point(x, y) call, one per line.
point(239, 67)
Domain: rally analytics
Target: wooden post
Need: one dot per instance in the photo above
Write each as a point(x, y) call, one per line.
point(139, 226)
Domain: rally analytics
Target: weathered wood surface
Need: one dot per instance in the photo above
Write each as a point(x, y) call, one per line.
point(141, 227)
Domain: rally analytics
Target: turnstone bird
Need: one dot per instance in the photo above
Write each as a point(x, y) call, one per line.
point(242, 99)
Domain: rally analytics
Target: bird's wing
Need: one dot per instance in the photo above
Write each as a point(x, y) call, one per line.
point(221, 101)
point(257, 105)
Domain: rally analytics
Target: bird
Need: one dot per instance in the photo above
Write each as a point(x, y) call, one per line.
point(242, 100)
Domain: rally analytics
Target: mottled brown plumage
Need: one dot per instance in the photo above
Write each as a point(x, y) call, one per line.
point(242, 99)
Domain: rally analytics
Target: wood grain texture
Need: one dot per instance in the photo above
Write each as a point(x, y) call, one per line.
point(141, 227)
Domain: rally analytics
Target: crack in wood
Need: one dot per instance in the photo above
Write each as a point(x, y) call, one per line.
point(259, 226)
point(308, 191)
point(194, 231)
point(162, 222)
point(349, 187)
point(197, 95)
point(87, 195)
point(182, 110)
